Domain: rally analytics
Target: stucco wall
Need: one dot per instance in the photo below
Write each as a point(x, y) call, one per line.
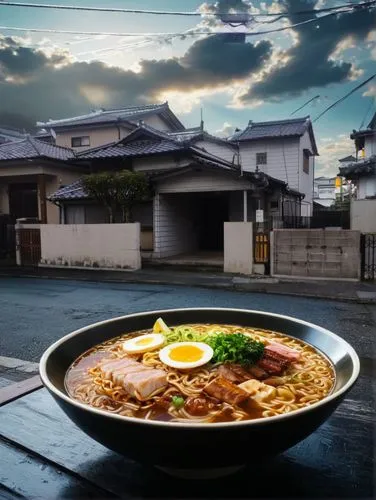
point(98, 137)
point(91, 245)
point(316, 253)
point(222, 150)
point(366, 187)
point(363, 215)
point(238, 247)
point(62, 178)
point(370, 145)
point(199, 181)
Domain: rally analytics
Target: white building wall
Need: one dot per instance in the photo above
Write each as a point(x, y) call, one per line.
point(366, 187)
point(221, 150)
point(370, 145)
point(306, 180)
point(201, 181)
point(174, 232)
point(157, 122)
point(282, 158)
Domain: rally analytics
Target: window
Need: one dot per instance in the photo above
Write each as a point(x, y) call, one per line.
point(274, 205)
point(77, 142)
point(261, 158)
point(306, 155)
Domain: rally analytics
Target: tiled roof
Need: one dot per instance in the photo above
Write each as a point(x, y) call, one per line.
point(279, 128)
point(347, 158)
point(136, 148)
point(273, 129)
point(33, 148)
point(10, 134)
point(73, 191)
point(359, 168)
point(129, 113)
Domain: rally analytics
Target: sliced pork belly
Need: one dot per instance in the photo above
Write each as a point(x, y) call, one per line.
point(138, 380)
point(226, 391)
point(283, 351)
point(233, 373)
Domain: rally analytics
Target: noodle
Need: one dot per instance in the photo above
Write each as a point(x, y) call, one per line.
point(303, 383)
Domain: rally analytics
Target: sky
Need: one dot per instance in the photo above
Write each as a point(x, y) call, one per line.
point(269, 76)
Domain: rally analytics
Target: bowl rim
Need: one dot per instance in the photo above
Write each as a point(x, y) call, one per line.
point(194, 425)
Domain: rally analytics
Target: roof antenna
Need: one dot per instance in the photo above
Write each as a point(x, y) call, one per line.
point(202, 120)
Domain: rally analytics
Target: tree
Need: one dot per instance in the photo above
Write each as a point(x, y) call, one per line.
point(117, 191)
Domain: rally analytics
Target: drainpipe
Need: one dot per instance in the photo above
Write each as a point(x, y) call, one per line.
point(245, 206)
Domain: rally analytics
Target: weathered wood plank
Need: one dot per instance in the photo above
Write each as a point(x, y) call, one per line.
point(14, 391)
point(335, 461)
point(24, 475)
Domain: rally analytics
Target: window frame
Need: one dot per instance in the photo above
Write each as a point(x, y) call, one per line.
point(264, 155)
point(81, 141)
point(306, 156)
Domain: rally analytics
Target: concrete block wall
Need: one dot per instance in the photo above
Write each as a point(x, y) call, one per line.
point(363, 215)
point(316, 253)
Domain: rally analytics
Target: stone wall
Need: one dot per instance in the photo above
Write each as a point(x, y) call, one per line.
point(316, 253)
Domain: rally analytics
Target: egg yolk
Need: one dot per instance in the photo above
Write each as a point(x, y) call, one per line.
point(144, 341)
point(186, 353)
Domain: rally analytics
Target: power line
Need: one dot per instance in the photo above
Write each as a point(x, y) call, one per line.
point(345, 97)
point(351, 5)
point(305, 104)
point(173, 34)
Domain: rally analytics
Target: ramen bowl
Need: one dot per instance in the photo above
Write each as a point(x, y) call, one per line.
point(198, 449)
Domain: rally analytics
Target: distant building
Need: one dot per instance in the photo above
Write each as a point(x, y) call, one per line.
point(8, 134)
point(324, 191)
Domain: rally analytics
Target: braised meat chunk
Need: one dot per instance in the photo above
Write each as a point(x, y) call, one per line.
point(226, 391)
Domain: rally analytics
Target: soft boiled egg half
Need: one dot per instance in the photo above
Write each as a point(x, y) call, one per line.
point(144, 343)
point(186, 355)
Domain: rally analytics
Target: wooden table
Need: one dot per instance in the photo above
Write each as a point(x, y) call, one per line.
point(44, 455)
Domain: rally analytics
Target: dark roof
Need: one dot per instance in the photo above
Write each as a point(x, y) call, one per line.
point(73, 191)
point(129, 114)
point(10, 134)
point(347, 158)
point(33, 148)
point(360, 168)
point(136, 148)
point(274, 129)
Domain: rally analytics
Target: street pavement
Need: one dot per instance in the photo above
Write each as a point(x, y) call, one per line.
point(36, 312)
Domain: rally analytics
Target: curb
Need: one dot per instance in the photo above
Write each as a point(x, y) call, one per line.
point(236, 287)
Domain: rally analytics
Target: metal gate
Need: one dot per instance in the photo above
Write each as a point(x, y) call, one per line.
point(368, 256)
point(29, 246)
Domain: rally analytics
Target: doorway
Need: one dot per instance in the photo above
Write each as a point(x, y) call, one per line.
point(23, 200)
point(212, 212)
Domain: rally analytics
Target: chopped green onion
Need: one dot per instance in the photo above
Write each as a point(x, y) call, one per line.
point(177, 401)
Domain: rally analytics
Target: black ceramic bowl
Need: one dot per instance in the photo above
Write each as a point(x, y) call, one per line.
point(198, 448)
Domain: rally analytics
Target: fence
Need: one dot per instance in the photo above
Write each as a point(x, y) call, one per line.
point(319, 220)
point(368, 256)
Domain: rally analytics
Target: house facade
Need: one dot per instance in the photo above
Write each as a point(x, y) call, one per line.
point(362, 171)
point(30, 171)
point(285, 150)
point(105, 126)
point(195, 191)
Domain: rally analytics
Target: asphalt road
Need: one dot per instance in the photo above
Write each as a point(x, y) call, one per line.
point(36, 312)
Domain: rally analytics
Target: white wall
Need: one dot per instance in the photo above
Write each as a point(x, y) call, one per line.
point(238, 247)
point(174, 232)
point(198, 181)
point(366, 187)
point(219, 149)
point(91, 245)
point(363, 215)
point(306, 180)
point(370, 145)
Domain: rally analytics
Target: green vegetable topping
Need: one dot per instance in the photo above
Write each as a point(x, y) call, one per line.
point(177, 401)
point(235, 348)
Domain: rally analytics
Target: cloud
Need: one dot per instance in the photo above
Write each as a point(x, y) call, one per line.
point(53, 85)
point(313, 60)
point(226, 130)
point(331, 151)
point(371, 91)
